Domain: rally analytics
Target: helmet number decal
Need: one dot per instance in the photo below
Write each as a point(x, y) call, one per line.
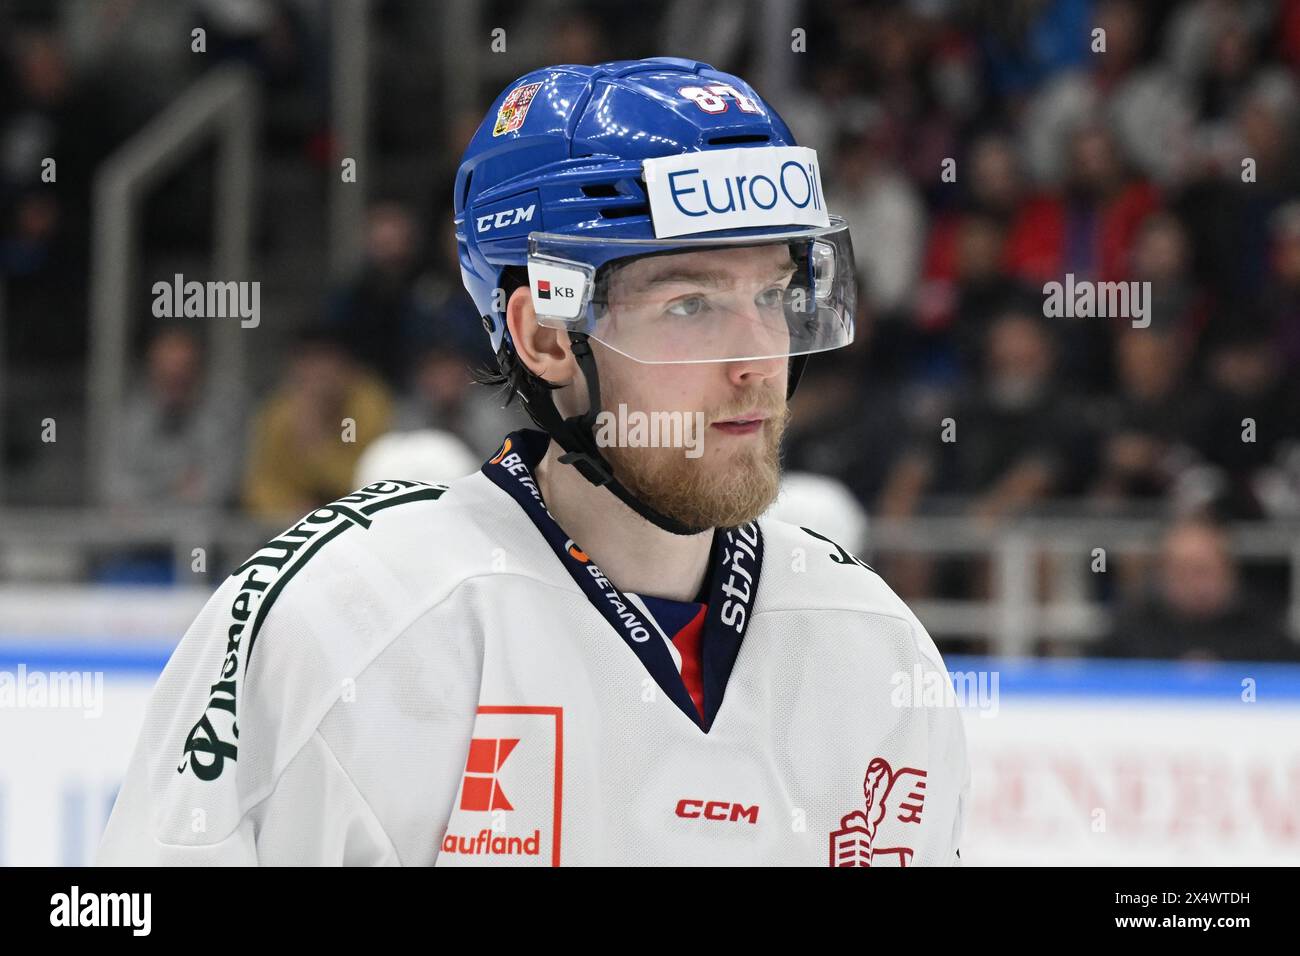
point(713, 98)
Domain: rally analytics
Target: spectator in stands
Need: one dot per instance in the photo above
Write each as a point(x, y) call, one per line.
point(46, 115)
point(1143, 426)
point(879, 201)
point(381, 314)
point(272, 36)
point(1246, 172)
point(922, 81)
point(1162, 256)
point(1027, 44)
point(956, 313)
point(574, 36)
point(1198, 609)
point(1086, 231)
point(1146, 105)
point(444, 396)
point(308, 436)
point(964, 284)
point(845, 423)
point(454, 319)
point(1015, 439)
point(1282, 294)
point(1245, 416)
point(1088, 228)
point(180, 443)
point(831, 102)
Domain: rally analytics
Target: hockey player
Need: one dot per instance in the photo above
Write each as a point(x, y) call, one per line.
point(591, 651)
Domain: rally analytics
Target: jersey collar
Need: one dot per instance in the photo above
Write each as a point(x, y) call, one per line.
point(732, 586)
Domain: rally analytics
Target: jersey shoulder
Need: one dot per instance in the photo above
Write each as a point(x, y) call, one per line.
point(807, 569)
point(276, 645)
point(809, 566)
point(359, 569)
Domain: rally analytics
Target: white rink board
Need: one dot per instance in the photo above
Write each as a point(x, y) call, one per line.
point(1185, 772)
point(60, 769)
point(1176, 783)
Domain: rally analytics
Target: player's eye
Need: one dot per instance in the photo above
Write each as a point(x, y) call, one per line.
point(772, 298)
point(688, 306)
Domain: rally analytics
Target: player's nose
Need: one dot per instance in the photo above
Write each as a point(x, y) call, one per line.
point(747, 373)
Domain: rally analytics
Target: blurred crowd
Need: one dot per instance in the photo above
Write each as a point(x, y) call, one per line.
point(1127, 165)
point(979, 149)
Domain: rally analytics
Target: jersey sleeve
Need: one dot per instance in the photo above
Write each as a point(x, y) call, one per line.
point(230, 769)
point(951, 776)
point(313, 816)
point(953, 743)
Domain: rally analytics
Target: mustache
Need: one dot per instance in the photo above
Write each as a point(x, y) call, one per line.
point(768, 404)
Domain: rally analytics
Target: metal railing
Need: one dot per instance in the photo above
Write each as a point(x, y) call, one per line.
point(222, 106)
point(1012, 618)
point(349, 25)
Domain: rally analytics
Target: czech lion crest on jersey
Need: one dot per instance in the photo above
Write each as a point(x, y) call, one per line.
point(892, 796)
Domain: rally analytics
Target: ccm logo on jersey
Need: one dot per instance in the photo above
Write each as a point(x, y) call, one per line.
point(716, 810)
point(506, 217)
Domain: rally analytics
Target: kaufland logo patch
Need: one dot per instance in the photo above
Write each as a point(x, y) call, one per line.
point(734, 188)
point(509, 807)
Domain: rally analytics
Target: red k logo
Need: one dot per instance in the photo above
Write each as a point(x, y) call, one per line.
point(521, 748)
point(480, 789)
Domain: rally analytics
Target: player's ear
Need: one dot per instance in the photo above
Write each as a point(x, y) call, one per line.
point(545, 351)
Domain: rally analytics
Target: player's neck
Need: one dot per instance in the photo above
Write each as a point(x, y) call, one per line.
point(634, 554)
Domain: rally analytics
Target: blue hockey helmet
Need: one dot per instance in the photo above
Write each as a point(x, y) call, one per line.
point(579, 171)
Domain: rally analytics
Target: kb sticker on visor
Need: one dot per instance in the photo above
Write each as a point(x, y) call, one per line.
point(559, 289)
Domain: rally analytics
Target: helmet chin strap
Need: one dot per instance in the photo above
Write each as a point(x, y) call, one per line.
point(576, 436)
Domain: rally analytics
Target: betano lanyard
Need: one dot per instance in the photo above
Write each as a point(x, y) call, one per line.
point(737, 559)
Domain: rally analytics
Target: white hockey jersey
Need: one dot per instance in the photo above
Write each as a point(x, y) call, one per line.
point(435, 674)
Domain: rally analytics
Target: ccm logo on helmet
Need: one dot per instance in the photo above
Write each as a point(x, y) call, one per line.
point(506, 217)
point(716, 810)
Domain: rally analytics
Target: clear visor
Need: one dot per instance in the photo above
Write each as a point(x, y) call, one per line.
point(676, 301)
